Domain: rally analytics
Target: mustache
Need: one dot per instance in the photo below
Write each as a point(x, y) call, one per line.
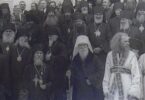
point(124, 49)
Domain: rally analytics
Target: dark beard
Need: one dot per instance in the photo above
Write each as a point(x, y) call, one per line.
point(80, 29)
point(130, 6)
point(67, 18)
point(123, 53)
point(124, 50)
point(121, 50)
point(98, 20)
point(51, 20)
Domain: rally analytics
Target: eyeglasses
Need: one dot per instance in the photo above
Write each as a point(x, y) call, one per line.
point(81, 46)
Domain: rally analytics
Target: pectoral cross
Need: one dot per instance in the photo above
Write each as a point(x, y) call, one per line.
point(7, 48)
point(141, 28)
point(68, 30)
point(40, 81)
point(36, 80)
point(97, 33)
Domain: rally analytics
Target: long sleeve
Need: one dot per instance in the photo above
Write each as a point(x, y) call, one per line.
point(135, 89)
point(142, 66)
point(141, 63)
point(107, 74)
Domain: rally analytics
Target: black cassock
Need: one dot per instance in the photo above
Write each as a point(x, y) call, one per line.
point(90, 70)
point(19, 58)
point(59, 64)
point(4, 78)
point(31, 74)
point(99, 38)
point(5, 49)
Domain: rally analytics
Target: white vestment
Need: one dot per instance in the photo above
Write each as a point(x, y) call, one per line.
point(130, 78)
point(142, 69)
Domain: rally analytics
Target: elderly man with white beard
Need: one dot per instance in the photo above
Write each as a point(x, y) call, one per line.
point(86, 72)
point(97, 33)
point(126, 24)
point(6, 44)
point(122, 78)
point(37, 77)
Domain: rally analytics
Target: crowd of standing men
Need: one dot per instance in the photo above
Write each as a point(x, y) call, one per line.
point(91, 51)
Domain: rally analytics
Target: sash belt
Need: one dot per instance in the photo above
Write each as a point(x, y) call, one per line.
point(120, 70)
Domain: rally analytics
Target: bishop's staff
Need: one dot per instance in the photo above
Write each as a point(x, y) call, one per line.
point(70, 88)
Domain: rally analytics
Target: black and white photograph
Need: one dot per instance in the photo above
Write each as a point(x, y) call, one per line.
point(72, 49)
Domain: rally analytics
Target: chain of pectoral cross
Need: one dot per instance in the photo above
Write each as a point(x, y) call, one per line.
point(38, 77)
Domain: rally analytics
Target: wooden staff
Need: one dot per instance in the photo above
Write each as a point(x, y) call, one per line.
point(70, 88)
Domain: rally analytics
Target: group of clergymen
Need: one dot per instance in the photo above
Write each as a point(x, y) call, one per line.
point(91, 51)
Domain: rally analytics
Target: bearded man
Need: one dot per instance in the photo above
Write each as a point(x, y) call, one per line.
point(51, 19)
point(114, 22)
point(130, 5)
point(86, 72)
point(65, 21)
point(139, 22)
point(140, 16)
point(79, 28)
point(37, 77)
point(20, 56)
point(122, 76)
point(8, 36)
point(56, 57)
point(126, 24)
point(84, 9)
point(98, 35)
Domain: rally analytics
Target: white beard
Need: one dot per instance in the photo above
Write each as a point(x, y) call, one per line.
point(84, 54)
point(124, 26)
point(8, 39)
point(85, 12)
point(50, 43)
point(38, 62)
point(141, 18)
point(97, 21)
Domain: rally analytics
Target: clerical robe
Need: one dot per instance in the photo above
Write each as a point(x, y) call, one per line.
point(19, 58)
point(31, 84)
point(123, 79)
point(91, 70)
point(142, 69)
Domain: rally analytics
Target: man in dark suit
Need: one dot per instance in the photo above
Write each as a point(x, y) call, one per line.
point(43, 8)
point(23, 14)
